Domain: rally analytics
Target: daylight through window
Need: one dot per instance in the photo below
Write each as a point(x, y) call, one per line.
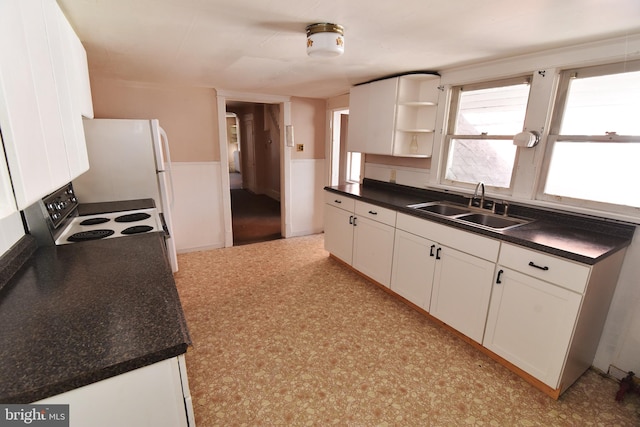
point(484, 120)
point(595, 140)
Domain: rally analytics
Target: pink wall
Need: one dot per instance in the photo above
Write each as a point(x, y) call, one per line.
point(309, 117)
point(187, 114)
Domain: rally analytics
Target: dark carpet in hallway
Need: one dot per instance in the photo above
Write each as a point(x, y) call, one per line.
point(255, 217)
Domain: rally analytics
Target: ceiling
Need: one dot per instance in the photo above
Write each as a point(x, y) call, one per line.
point(259, 46)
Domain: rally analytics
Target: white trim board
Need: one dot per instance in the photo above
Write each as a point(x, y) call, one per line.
point(413, 177)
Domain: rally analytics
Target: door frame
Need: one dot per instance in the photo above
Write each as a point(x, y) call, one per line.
point(285, 157)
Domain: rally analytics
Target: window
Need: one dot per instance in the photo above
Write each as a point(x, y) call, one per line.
point(353, 166)
point(483, 120)
point(594, 144)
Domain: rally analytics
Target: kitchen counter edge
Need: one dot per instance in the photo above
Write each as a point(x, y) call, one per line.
point(610, 237)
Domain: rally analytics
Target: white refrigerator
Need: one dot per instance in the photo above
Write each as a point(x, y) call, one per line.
point(129, 159)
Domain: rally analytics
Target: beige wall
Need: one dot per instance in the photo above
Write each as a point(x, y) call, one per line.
point(187, 114)
point(308, 117)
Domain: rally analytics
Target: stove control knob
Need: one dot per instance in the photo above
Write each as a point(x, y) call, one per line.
point(55, 216)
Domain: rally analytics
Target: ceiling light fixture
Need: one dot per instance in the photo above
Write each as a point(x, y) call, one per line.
point(325, 40)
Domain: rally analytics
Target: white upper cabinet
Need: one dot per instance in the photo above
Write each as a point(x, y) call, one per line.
point(70, 83)
point(372, 109)
point(394, 116)
point(41, 124)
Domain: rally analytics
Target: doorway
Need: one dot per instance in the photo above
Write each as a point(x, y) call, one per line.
point(253, 134)
point(345, 166)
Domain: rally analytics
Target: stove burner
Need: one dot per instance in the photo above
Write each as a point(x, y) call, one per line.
point(90, 235)
point(137, 229)
point(94, 221)
point(138, 216)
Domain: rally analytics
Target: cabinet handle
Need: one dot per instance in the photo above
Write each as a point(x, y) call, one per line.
point(354, 221)
point(351, 219)
point(338, 201)
point(499, 275)
point(431, 251)
point(545, 268)
point(438, 253)
point(373, 213)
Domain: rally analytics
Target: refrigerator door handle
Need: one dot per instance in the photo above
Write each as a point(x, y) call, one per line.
point(167, 165)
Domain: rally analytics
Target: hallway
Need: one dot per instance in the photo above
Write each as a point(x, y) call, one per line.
point(255, 217)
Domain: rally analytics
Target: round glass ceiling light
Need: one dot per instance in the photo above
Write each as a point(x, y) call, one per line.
point(325, 40)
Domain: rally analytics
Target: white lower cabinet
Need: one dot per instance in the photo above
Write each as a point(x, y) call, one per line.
point(530, 324)
point(373, 249)
point(361, 235)
point(338, 232)
point(153, 396)
point(446, 271)
point(461, 291)
point(413, 266)
point(547, 313)
point(541, 313)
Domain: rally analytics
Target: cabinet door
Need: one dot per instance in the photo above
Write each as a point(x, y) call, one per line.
point(60, 34)
point(151, 396)
point(338, 232)
point(413, 267)
point(372, 109)
point(461, 291)
point(373, 249)
point(29, 109)
point(530, 324)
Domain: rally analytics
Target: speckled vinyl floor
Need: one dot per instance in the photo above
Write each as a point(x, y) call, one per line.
point(284, 335)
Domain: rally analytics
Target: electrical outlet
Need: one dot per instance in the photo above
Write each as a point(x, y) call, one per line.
point(300, 147)
point(392, 178)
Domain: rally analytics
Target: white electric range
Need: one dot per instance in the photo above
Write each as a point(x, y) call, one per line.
point(64, 226)
point(109, 225)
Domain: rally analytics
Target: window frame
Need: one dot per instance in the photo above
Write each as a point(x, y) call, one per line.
point(454, 102)
point(554, 136)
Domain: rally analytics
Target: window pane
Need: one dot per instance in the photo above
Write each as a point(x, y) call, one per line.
point(495, 111)
point(596, 105)
point(353, 166)
point(603, 172)
point(474, 160)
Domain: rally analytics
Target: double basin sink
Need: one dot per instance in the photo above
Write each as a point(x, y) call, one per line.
point(472, 215)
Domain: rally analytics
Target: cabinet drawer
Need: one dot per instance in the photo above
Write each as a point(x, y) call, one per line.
point(474, 244)
point(376, 213)
point(562, 272)
point(337, 200)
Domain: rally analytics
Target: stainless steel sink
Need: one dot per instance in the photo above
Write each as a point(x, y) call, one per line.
point(440, 208)
point(472, 215)
point(497, 222)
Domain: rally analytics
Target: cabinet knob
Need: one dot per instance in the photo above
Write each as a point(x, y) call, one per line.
point(498, 281)
point(438, 253)
point(338, 201)
point(373, 212)
point(431, 251)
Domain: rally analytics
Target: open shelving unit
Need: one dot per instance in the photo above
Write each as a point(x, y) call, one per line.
point(416, 108)
point(395, 116)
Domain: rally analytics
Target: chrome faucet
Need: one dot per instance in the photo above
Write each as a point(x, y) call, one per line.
point(475, 195)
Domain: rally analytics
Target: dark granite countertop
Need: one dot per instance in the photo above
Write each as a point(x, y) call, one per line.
point(77, 314)
point(582, 238)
